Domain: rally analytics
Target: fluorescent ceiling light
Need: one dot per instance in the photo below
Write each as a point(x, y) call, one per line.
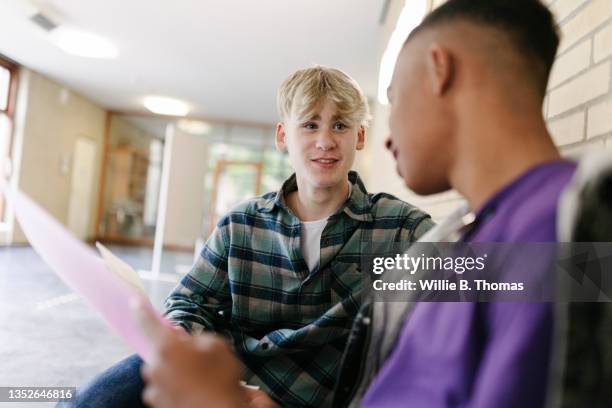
point(194, 127)
point(166, 106)
point(83, 44)
point(412, 14)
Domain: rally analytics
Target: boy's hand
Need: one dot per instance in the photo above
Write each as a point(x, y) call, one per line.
point(259, 399)
point(180, 330)
point(189, 371)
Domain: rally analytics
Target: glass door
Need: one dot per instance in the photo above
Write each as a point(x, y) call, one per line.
point(233, 182)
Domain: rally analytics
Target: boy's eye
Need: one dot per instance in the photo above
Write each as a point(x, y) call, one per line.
point(310, 125)
point(339, 126)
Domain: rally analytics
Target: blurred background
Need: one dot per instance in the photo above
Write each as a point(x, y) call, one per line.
point(139, 123)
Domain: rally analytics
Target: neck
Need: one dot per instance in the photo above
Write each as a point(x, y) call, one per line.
point(313, 203)
point(495, 150)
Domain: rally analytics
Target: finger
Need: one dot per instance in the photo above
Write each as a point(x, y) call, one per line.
point(156, 397)
point(251, 393)
point(150, 396)
point(149, 322)
point(145, 372)
point(259, 399)
point(212, 343)
point(180, 330)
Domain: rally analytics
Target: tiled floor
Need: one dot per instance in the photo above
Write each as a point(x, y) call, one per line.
point(48, 335)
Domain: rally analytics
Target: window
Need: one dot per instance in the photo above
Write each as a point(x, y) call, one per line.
point(5, 87)
point(8, 84)
point(242, 162)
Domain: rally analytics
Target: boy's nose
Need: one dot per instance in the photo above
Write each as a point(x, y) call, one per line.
point(325, 141)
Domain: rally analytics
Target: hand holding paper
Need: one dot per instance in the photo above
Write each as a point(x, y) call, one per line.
point(82, 270)
point(186, 371)
point(112, 287)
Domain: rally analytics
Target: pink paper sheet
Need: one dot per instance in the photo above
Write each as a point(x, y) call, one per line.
point(82, 270)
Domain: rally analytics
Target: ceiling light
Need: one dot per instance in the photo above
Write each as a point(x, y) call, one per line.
point(83, 44)
point(194, 127)
point(412, 14)
point(166, 106)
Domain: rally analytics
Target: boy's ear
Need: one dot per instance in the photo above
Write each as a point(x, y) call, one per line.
point(440, 68)
point(361, 138)
point(279, 138)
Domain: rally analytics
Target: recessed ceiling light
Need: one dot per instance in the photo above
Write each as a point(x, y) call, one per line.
point(83, 44)
point(166, 106)
point(194, 127)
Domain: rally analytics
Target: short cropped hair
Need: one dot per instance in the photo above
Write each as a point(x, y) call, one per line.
point(529, 25)
point(305, 90)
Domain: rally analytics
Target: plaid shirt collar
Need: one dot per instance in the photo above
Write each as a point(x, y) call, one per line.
point(356, 207)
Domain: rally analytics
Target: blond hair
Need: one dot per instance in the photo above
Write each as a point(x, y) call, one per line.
point(306, 90)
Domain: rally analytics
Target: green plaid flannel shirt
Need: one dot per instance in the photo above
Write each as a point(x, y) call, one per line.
point(289, 325)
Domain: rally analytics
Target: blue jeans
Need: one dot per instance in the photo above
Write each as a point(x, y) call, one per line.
point(117, 387)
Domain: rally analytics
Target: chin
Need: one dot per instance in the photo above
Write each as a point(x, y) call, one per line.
point(426, 187)
point(327, 183)
point(329, 177)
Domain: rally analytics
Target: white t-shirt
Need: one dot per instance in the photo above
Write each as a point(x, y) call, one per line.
point(310, 240)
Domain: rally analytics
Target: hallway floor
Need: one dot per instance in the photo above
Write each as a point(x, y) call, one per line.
point(48, 335)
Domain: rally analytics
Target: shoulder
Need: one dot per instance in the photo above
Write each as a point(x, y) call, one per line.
point(531, 212)
point(387, 207)
point(249, 210)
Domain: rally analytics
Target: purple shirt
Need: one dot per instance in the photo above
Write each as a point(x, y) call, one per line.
point(482, 354)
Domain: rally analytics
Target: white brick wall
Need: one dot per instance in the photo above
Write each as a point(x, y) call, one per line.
point(578, 104)
point(603, 43)
point(583, 88)
point(563, 8)
point(569, 129)
point(577, 149)
point(436, 3)
point(581, 23)
point(571, 63)
point(600, 119)
point(579, 98)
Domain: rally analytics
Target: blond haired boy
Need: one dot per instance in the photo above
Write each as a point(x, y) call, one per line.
point(280, 275)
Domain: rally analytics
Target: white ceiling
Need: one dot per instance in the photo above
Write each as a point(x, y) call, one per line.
point(226, 58)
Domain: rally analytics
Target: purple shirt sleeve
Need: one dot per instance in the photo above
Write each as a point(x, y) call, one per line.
point(514, 368)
